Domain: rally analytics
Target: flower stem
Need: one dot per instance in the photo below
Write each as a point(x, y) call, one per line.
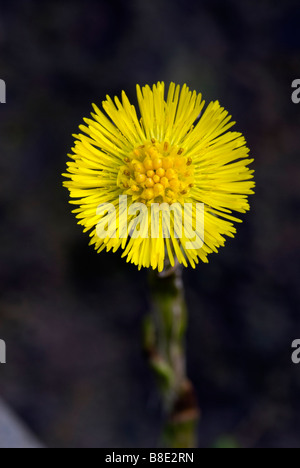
point(165, 332)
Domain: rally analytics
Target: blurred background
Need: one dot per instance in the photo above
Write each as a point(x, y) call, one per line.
point(71, 318)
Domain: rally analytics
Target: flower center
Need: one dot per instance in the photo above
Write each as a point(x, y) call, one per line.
point(157, 173)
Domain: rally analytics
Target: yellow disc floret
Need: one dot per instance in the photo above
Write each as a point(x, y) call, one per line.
point(158, 173)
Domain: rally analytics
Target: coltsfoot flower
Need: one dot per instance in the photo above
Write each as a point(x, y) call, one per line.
point(175, 153)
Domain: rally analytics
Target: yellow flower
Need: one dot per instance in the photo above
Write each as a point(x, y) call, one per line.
point(175, 154)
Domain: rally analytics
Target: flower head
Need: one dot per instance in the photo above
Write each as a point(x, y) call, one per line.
point(176, 154)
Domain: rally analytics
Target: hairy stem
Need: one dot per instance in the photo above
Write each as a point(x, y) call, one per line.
point(165, 332)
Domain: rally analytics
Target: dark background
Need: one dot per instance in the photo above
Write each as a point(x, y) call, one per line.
point(71, 318)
